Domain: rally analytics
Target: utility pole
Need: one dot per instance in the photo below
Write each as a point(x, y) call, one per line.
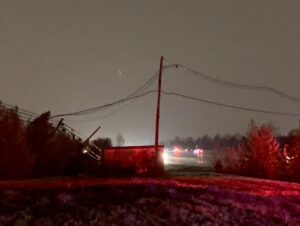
point(158, 109)
point(85, 146)
point(93, 133)
point(59, 124)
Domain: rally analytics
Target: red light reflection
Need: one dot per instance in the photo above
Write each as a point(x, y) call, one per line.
point(177, 151)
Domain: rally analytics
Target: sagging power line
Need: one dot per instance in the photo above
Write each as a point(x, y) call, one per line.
point(167, 93)
point(139, 92)
point(232, 106)
point(239, 85)
point(27, 116)
point(133, 95)
point(95, 109)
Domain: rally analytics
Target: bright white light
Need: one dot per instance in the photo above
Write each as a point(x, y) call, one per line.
point(290, 158)
point(84, 151)
point(165, 157)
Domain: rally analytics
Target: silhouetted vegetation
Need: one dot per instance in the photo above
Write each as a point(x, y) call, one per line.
point(263, 155)
point(120, 140)
point(16, 158)
point(55, 152)
point(103, 143)
point(258, 154)
point(39, 149)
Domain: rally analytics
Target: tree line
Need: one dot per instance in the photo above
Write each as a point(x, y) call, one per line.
point(38, 149)
point(206, 142)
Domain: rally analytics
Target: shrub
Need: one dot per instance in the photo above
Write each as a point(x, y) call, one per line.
point(257, 156)
point(262, 150)
point(16, 160)
point(293, 156)
point(229, 160)
point(55, 152)
point(35, 149)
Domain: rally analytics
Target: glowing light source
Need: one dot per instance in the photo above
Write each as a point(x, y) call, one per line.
point(198, 151)
point(165, 157)
point(176, 151)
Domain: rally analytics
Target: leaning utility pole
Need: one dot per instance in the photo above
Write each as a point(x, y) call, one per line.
point(158, 107)
point(61, 123)
point(93, 133)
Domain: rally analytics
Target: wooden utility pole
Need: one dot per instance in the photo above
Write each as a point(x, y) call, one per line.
point(59, 124)
point(158, 108)
point(93, 133)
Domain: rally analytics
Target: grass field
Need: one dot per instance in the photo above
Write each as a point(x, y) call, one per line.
point(208, 200)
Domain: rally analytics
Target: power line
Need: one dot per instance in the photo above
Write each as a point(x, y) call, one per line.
point(105, 106)
point(239, 85)
point(104, 116)
point(235, 107)
point(145, 86)
point(9, 106)
point(149, 82)
point(133, 95)
point(28, 116)
point(130, 96)
point(92, 110)
point(231, 106)
point(139, 92)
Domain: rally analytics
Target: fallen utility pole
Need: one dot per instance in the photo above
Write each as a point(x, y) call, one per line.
point(59, 124)
point(86, 149)
point(93, 133)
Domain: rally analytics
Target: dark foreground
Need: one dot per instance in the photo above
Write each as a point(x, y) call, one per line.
point(210, 200)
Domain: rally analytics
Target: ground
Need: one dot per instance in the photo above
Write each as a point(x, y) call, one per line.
point(206, 200)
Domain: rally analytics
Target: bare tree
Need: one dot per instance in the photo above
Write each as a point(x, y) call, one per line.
point(120, 140)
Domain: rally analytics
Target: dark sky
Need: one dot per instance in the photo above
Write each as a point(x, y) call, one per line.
point(64, 56)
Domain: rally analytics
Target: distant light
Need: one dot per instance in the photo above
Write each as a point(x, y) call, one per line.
point(176, 149)
point(84, 151)
point(198, 151)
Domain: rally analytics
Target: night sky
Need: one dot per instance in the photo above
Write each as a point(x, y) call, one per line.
point(65, 56)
